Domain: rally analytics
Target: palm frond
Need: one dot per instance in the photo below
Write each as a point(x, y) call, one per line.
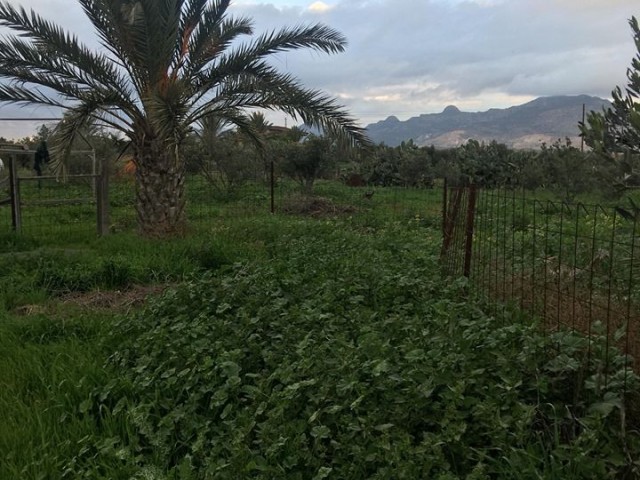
point(192, 13)
point(23, 95)
point(224, 72)
point(52, 48)
point(168, 110)
point(155, 34)
point(92, 111)
point(211, 126)
point(221, 115)
point(264, 87)
point(316, 37)
point(65, 134)
point(250, 58)
point(245, 125)
point(107, 17)
point(211, 41)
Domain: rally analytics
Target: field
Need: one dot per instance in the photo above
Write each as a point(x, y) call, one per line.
point(320, 342)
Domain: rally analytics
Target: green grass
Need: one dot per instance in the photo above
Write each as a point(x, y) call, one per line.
point(48, 367)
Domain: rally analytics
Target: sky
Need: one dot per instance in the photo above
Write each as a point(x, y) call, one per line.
point(410, 57)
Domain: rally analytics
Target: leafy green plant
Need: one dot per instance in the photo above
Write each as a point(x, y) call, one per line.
point(357, 364)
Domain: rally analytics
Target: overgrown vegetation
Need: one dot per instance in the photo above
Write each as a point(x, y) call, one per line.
point(292, 347)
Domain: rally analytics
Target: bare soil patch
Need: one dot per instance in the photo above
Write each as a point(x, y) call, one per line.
point(132, 297)
point(315, 206)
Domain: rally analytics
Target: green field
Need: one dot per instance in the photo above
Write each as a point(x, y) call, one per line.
point(319, 343)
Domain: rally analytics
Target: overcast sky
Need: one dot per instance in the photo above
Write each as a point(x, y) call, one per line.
point(408, 57)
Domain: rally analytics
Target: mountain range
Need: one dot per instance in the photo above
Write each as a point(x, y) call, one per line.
point(527, 126)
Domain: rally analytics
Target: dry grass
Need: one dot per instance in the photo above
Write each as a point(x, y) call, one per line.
point(116, 301)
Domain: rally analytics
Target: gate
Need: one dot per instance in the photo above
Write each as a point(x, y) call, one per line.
point(95, 192)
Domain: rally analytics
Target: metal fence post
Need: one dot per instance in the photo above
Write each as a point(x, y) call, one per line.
point(468, 246)
point(451, 216)
point(272, 185)
point(102, 199)
point(444, 207)
point(14, 189)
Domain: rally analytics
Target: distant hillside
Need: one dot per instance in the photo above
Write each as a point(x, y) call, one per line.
point(544, 119)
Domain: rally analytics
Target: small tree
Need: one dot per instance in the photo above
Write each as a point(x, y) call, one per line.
point(567, 170)
point(306, 161)
point(489, 165)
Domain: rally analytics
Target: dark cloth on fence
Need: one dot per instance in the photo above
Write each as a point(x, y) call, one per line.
point(41, 157)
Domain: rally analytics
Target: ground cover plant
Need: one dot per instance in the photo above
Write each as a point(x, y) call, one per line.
point(59, 296)
point(293, 347)
point(359, 364)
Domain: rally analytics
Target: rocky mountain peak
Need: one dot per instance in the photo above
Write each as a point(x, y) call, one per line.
point(543, 120)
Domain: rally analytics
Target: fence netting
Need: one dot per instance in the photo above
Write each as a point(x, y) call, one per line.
point(574, 266)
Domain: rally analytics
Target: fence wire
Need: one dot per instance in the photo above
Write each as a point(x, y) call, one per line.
point(574, 266)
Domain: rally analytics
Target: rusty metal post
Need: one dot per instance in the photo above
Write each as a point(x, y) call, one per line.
point(450, 219)
point(468, 246)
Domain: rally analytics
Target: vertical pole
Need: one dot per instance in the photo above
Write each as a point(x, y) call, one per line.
point(607, 347)
point(272, 186)
point(14, 189)
point(444, 208)
point(627, 353)
point(451, 218)
point(584, 107)
point(102, 199)
point(94, 172)
point(471, 210)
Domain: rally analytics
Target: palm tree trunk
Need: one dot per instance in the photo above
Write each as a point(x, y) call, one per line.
point(160, 190)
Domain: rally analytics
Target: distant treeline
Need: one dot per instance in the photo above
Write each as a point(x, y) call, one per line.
point(560, 167)
point(230, 159)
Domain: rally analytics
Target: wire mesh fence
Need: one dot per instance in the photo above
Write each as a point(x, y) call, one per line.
point(328, 198)
point(52, 205)
point(574, 266)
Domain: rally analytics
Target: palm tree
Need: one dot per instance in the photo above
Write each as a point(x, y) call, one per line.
point(165, 66)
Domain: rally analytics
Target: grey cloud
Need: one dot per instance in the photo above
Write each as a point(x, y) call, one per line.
point(407, 57)
point(518, 48)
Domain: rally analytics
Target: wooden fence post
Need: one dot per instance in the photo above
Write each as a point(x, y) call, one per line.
point(14, 189)
point(451, 216)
